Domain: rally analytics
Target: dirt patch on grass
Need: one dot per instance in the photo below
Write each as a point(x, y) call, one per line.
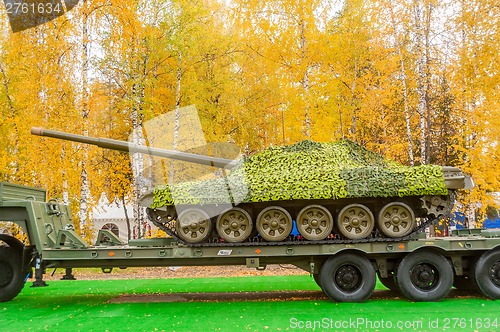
point(221, 297)
point(177, 272)
point(295, 295)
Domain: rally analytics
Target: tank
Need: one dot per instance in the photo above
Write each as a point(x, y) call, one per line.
point(308, 192)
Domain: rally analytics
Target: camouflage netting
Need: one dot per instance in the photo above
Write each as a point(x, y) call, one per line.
point(308, 170)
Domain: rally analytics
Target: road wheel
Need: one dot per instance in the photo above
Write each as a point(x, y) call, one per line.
point(356, 221)
point(348, 277)
point(396, 220)
point(234, 225)
point(193, 225)
point(314, 222)
point(487, 274)
point(11, 276)
point(424, 276)
point(274, 224)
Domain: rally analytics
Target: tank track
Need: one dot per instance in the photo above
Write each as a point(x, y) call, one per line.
point(433, 208)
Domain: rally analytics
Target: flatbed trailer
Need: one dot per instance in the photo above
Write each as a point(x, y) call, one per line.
point(421, 269)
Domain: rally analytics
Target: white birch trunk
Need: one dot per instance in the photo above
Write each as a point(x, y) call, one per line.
point(141, 182)
point(353, 101)
point(427, 81)
point(137, 162)
point(305, 81)
point(127, 219)
point(84, 181)
point(421, 78)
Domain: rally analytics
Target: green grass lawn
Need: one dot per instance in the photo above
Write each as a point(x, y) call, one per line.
point(84, 305)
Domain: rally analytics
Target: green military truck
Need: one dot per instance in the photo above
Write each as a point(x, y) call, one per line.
point(422, 269)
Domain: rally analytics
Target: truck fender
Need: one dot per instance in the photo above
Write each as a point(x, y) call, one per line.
point(12, 242)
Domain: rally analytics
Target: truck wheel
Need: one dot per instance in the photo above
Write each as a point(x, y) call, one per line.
point(348, 277)
point(11, 278)
point(487, 274)
point(317, 278)
point(424, 276)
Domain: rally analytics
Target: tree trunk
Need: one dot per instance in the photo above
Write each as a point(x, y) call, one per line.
point(353, 102)
point(127, 219)
point(137, 161)
point(427, 72)
point(141, 182)
point(423, 77)
point(305, 81)
point(84, 181)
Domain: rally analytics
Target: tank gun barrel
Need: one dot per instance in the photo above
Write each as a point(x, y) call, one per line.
point(123, 146)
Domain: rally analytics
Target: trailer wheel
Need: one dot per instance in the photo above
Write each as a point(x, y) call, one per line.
point(487, 274)
point(424, 276)
point(11, 276)
point(348, 277)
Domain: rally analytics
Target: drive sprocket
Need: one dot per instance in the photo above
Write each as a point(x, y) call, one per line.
point(438, 206)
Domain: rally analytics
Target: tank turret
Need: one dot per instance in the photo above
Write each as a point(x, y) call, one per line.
point(321, 192)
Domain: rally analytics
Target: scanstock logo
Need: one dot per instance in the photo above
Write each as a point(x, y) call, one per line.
point(29, 13)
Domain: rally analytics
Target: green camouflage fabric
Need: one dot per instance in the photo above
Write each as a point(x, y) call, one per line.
point(308, 170)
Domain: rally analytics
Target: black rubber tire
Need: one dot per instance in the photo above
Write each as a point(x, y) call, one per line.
point(428, 265)
point(355, 269)
point(389, 283)
point(11, 276)
point(317, 278)
point(487, 274)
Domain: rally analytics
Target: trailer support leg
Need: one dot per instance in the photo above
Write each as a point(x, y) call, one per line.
point(69, 275)
point(39, 282)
